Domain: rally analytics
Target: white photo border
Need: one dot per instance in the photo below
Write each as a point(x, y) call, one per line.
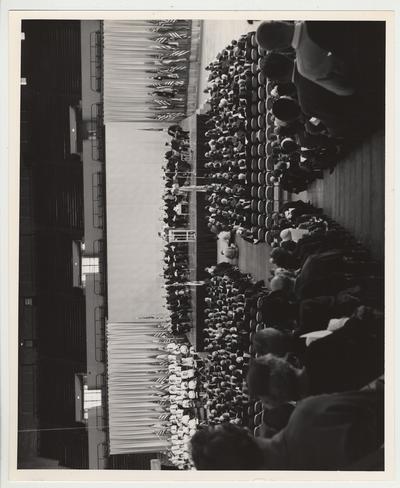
point(11, 14)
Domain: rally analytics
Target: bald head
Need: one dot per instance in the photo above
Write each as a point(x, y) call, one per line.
point(274, 35)
point(286, 235)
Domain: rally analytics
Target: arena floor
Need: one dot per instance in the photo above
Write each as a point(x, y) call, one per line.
point(354, 194)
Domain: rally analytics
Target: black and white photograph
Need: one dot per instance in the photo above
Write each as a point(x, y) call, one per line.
point(201, 278)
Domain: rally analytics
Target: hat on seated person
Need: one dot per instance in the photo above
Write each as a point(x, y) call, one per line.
point(276, 67)
point(274, 35)
point(288, 145)
point(286, 109)
point(277, 310)
point(289, 246)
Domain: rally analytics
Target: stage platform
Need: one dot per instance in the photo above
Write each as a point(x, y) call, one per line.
point(202, 252)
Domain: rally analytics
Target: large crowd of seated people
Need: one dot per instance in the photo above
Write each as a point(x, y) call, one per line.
point(226, 342)
point(225, 154)
point(322, 343)
point(311, 120)
point(315, 363)
point(299, 146)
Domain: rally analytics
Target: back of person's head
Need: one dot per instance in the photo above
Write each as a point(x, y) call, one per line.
point(287, 88)
point(286, 109)
point(272, 341)
point(273, 34)
point(289, 246)
point(281, 166)
point(288, 145)
point(214, 229)
point(283, 272)
point(280, 257)
point(277, 310)
point(272, 379)
point(276, 67)
point(225, 447)
point(282, 282)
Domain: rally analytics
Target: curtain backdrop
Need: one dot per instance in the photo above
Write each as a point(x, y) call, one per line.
point(133, 390)
point(129, 65)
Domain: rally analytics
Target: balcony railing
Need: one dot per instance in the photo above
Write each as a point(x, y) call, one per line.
point(98, 199)
point(99, 249)
point(100, 334)
point(96, 61)
point(97, 132)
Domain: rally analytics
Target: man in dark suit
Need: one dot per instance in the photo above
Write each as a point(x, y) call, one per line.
point(325, 432)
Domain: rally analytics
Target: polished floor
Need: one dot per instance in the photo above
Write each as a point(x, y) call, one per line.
point(354, 194)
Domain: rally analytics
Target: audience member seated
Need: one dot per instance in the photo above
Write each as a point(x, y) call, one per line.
point(343, 359)
point(326, 432)
point(345, 115)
